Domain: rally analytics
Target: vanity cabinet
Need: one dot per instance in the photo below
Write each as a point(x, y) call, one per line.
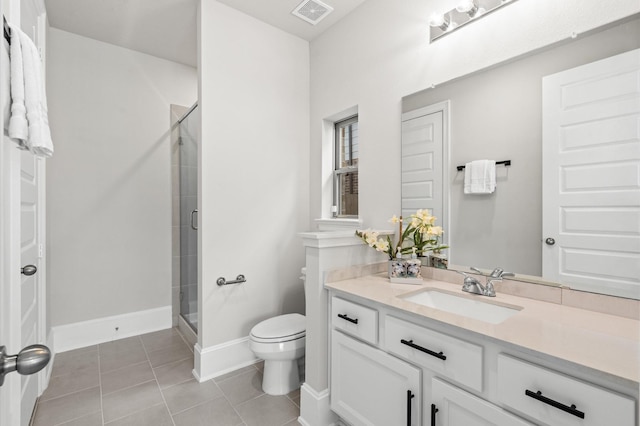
point(390, 367)
point(371, 387)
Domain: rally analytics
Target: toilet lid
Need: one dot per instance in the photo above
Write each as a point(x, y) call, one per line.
point(289, 327)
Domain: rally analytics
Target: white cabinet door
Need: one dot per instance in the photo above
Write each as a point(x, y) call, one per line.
point(454, 407)
point(370, 387)
point(591, 164)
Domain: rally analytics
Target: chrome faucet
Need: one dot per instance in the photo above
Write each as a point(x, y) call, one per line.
point(472, 285)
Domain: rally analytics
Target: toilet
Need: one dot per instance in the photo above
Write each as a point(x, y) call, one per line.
point(280, 342)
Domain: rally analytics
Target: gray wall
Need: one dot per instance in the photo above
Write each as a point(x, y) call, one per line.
point(496, 114)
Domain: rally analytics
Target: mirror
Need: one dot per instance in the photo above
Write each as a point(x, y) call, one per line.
point(496, 113)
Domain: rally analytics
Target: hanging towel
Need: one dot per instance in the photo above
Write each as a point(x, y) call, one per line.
point(18, 126)
point(5, 86)
point(480, 177)
point(28, 95)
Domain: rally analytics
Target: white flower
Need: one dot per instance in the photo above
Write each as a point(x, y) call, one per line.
point(435, 230)
point(395, 219)
point(382, 245)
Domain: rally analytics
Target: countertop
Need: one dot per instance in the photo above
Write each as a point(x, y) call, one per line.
point(602, 342)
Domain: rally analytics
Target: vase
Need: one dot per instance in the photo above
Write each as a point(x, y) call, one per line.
point(438, 260)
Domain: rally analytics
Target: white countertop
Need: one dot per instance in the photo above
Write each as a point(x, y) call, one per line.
point(599, 341)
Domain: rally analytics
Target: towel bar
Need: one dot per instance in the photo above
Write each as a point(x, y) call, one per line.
point(505, 162)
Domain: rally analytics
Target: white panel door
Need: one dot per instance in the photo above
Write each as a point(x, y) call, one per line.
point(30, 297)
point(591, 176)
point(423, 171)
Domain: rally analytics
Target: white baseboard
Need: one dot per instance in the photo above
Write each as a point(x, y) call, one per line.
point(315, 409)
point(215, 361)
point(102, 330)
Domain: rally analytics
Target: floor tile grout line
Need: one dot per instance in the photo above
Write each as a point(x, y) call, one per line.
point(100, 384)
point(166, 406)
point(134, 412)
point(197, 405)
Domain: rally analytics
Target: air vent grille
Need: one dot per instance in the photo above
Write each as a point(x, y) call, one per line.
point(312, 11)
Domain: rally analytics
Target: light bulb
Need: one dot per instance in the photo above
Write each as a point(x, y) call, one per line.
point(469, 7)
point(439, 21)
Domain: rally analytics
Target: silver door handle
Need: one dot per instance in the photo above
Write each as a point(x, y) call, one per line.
point(30, 360)
point(28, 270)
point(193, 222)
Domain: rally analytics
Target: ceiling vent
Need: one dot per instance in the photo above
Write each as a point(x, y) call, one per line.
point(312, 11)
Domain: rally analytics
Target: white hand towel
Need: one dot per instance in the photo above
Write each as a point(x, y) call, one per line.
point(480, 177)
point(28, 96)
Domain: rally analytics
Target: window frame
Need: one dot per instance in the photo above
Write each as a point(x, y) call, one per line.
point(338, 171)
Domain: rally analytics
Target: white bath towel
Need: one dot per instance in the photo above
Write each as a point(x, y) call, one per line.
point(18, 126)
point(5, 86)
point(480, 177)
point(34, 101)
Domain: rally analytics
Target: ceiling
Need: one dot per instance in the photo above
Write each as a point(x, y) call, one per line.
point(167, 28)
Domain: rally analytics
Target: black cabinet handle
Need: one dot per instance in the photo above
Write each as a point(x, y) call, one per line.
point(566, 408)
point(434, 410)
point(421, 349)
point(410, 396)
point(346, 318)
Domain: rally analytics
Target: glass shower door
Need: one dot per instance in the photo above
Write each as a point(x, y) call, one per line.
point(189, 218)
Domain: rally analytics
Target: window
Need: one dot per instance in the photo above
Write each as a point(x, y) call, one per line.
point(345, 175)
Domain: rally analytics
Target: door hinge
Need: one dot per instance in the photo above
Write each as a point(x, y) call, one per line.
point(40, 251)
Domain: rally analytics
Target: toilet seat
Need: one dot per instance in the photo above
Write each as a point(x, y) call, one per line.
point(283, 328)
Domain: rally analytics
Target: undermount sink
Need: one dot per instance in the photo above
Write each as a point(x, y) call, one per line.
point(472, 307)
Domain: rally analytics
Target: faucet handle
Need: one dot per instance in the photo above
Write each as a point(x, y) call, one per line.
point(473, 268)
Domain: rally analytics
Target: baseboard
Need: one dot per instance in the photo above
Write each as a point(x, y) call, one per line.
point(315, 409)
point(102, 330)
point(217, 360)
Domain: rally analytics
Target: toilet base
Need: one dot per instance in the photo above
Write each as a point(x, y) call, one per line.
point(280, 377)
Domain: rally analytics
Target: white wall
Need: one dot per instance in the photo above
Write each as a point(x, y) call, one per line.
point(108, 183)
point(381, 52)
point(254, 100)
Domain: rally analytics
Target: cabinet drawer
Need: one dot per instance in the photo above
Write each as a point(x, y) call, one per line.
point(555, 399)
point(448, 356)
point(354, 319)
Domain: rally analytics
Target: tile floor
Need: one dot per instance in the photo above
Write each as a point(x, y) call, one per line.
point(147, 380)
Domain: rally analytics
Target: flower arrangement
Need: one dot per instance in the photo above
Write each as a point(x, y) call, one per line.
point(421, 233)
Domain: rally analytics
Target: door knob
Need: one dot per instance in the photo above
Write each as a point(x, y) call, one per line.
point(550, 241)
point(29, 270)
point(30, 360)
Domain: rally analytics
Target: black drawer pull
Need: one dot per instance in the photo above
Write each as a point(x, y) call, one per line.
point(421, 349)
point(346, 318)
point(434, 410)
point(566, 408)
point(410, 396)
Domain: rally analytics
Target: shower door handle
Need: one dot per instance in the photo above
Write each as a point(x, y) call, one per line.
point(193, 222)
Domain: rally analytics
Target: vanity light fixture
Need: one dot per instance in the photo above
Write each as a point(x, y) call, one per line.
point(466, 11)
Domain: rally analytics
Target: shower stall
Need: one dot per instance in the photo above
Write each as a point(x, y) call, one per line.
point(188, 200)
